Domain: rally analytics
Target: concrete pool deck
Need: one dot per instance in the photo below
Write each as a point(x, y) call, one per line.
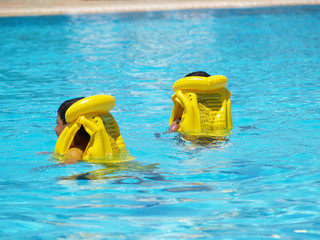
point(60, 7)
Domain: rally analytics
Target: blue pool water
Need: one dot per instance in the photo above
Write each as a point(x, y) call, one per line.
point(262, 182)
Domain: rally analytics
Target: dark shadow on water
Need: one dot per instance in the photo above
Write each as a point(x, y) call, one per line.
point(190, 189)
point(195, 140)
point(249, 130)
point(113, 167)
point(118, 171)
point(194, 145)
point(46, 167)
point(130, 173)
point(204, 141)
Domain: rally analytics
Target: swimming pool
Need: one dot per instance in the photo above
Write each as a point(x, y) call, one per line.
point(262, 182)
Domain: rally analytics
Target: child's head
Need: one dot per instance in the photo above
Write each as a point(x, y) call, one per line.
point(61, 117)
point(198, 74)
point(64, 107)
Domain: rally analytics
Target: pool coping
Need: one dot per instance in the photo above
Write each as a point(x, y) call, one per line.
point(68, 7)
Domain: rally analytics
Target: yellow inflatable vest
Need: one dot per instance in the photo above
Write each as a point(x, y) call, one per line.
point(203, 105)
point(93, 114)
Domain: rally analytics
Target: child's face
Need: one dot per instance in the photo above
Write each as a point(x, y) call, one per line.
point(60, 126)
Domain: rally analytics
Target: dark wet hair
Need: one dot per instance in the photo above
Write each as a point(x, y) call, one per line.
point(62, 113)
point(64, 107)
point(198, 74)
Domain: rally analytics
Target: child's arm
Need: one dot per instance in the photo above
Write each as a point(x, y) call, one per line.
point(175, 125)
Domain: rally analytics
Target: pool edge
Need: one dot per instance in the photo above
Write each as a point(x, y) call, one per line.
point(91, 7)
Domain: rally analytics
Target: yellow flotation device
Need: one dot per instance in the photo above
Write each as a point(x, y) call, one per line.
point(93, 114)
point(203, 105)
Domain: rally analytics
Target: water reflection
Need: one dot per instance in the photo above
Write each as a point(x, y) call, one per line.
point(196, 140)
point(193, 145)
point(205, 141)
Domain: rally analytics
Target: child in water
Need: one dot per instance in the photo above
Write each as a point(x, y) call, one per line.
point(81, 139)
point(175, 125)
